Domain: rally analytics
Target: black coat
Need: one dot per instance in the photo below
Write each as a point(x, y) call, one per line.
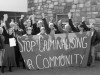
point(95, 38)
point(57, 30)
point(7, 25)
point(85, 27)
point(46, 26)
point(74, 29)
point(35, 29)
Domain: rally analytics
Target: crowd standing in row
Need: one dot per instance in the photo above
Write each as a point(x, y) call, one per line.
point(10, 56)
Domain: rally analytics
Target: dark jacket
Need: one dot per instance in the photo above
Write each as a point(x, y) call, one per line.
point(85, 27)
point(19, 32)
point(46, 26)
point(7, 25)
point(95, 38)
point(35, 29)
point(57, 29)
point(74, 29)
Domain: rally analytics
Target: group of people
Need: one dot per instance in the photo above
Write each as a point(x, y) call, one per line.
point(10, 56)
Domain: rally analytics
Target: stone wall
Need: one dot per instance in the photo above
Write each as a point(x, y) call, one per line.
point(79, 8)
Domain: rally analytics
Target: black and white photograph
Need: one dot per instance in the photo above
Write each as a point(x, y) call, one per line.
point(49, 37)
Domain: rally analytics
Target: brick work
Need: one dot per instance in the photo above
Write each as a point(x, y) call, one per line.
point(80, 8)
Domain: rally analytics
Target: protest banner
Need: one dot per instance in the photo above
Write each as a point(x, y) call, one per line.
point(62, 50)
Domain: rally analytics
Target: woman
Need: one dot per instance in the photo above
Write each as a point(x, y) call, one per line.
point(9, 56)
point(28, 31)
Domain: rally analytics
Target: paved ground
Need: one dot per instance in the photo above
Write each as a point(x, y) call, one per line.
point(94, 70)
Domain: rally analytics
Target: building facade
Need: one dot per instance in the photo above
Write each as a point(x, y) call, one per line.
point(58, 9)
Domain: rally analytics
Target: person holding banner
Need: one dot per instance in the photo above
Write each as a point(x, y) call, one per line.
point(28, 31)
point(52, 29)
point(9, 56)
point(94, 41)
point(17, 32)
point(42, 32)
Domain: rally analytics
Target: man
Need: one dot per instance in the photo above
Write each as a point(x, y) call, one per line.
point(74, 26)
